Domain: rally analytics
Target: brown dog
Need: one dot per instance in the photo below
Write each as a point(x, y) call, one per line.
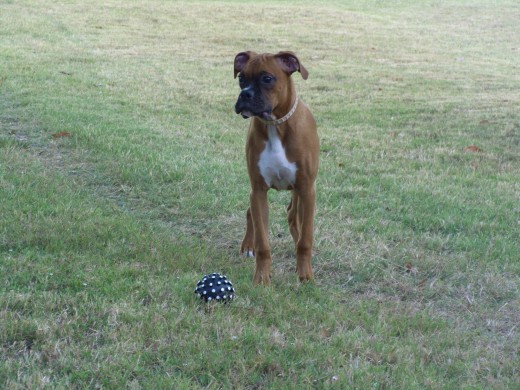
point(282, 152)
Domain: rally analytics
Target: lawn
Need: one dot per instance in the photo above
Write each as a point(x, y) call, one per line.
point(123, 181)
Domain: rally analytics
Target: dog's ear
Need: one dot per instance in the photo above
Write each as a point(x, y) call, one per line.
point(241, 60)
point(290, 63)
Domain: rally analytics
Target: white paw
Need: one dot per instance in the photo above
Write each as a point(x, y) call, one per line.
point(249, 254)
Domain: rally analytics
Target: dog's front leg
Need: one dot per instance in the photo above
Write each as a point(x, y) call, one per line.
point(260, 217)
point(306, 207)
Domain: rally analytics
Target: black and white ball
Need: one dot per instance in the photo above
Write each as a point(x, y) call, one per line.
point(215, 288)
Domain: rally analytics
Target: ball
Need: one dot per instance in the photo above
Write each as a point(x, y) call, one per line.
point(215, 288)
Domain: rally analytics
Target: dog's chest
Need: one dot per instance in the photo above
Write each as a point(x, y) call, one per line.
point(276, 170)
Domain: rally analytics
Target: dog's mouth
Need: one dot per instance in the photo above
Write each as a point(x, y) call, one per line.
point(246, 114)
point(263, 115)
point(252, 109)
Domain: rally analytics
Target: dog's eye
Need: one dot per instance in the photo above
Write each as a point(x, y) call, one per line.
point(267, 79)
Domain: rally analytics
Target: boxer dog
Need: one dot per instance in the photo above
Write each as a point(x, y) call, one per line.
point(282, 152)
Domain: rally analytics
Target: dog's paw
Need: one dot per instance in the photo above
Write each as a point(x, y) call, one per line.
point(247, 251)
point(262, 278)
point(304, 272)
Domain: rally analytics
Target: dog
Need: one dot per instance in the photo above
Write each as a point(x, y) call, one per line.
point(282, 152)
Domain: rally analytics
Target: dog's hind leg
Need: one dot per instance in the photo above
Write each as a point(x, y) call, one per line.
point(247, 247)
point(293, 218)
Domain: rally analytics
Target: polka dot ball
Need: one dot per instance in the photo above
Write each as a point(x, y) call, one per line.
point(215, 287)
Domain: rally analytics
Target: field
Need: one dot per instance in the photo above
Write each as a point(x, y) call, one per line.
point(123, 181)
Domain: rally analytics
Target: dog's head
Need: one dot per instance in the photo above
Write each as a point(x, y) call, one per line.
point(264, 81)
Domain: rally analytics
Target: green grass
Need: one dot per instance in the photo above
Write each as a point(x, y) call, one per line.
point(104, 234)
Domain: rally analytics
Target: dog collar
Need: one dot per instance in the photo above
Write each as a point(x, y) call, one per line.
point(278, 122)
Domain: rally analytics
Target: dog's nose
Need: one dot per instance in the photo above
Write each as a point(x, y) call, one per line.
point(246, 94)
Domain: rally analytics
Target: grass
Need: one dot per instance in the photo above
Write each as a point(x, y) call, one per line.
point(104, 234)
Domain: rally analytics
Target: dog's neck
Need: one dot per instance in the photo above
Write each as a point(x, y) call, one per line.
point(285, 118)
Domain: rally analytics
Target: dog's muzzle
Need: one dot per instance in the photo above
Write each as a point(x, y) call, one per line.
point(249, 104)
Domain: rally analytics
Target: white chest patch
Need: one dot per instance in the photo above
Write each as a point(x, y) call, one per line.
point(276, 170)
